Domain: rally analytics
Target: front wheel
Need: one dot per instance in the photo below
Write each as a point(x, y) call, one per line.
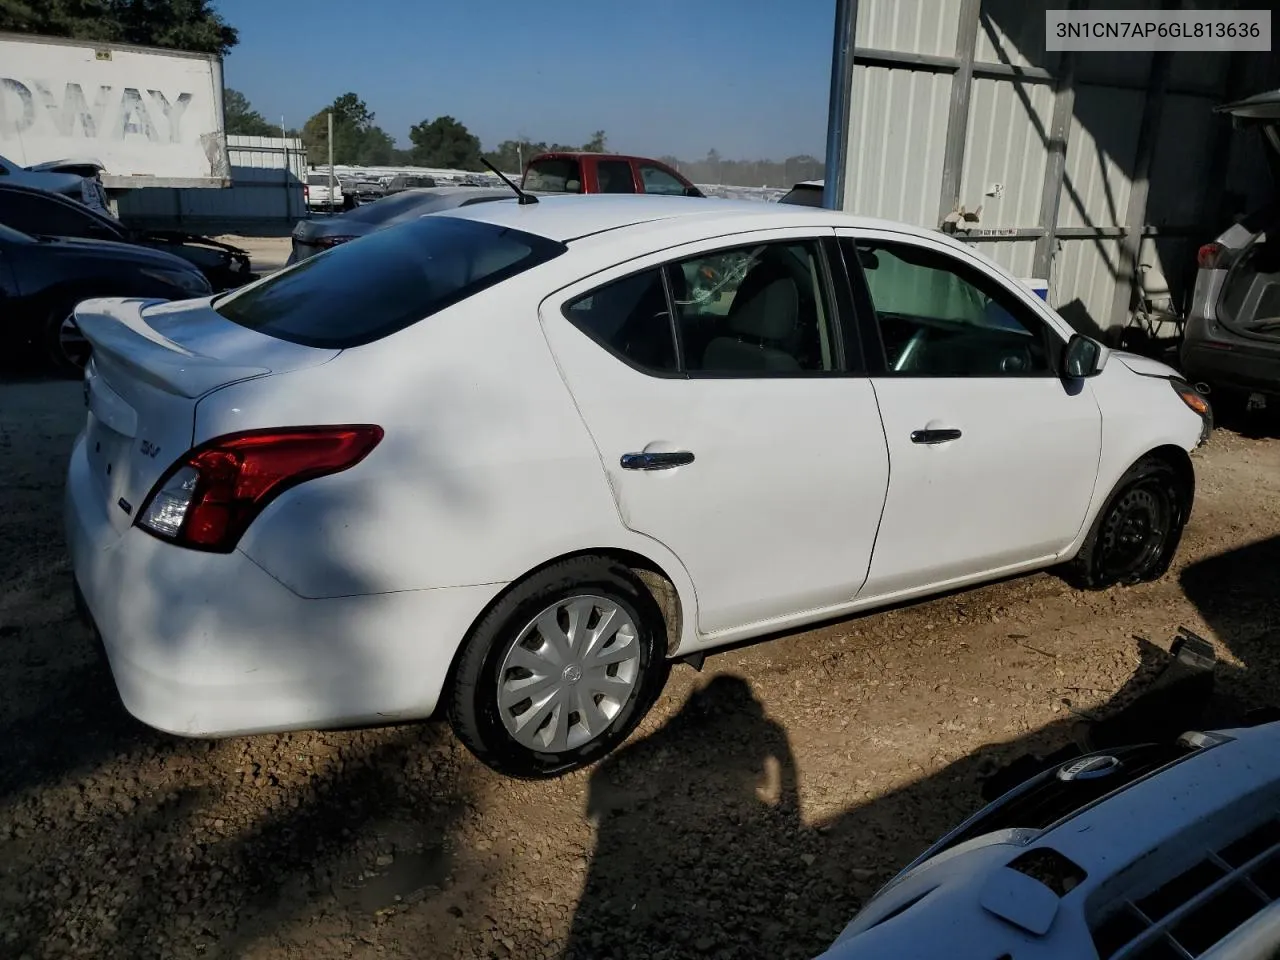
point(1136, 534)
point(561, 670)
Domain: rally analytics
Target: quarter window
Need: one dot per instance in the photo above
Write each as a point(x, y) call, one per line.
point(614, 176)
point(630, 319)
point(939, 317)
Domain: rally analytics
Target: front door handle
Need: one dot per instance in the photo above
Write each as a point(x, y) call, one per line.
point(656, 461)
point(934, 436)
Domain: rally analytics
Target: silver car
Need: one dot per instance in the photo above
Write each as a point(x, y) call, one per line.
point(315, 236)
point(1232, 339)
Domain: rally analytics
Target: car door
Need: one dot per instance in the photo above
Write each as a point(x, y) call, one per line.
point(732, 425)
point(993, 455)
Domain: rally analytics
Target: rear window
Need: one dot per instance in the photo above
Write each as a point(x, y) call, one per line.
point(367, 289)
point(559, 175)
point(804, 195)
point(380, 211)
point(319, 180)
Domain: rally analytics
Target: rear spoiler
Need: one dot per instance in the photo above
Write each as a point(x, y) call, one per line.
point(121, 338)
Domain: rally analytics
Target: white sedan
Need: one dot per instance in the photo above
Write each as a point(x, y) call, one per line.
point(513, 459)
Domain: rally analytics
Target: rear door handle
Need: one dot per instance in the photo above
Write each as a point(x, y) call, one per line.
point(656, 461)
point(934, 436)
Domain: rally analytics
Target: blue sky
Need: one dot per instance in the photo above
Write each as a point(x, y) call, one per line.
point(745, 77)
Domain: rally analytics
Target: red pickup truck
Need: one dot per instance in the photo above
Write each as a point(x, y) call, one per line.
point(603, 173)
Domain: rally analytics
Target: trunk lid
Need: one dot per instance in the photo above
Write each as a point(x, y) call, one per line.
point(1261, 112)
point(152, 361)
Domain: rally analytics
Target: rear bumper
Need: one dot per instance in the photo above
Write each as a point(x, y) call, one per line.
point(210, 645)
point(1235, 365)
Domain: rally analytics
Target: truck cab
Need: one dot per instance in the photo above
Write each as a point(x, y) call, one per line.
point(581, 172)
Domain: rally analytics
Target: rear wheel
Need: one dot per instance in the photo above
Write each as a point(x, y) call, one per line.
point(561, 670)
point(1135, 536)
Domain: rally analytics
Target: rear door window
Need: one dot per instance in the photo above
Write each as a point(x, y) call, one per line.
point(360, 292)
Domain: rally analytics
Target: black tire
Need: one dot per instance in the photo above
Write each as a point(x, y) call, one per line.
point(65, 361)
point(1137, 532)
point(473, 706)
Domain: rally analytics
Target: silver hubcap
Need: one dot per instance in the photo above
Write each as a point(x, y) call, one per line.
point(71, 341)
point(569, 673)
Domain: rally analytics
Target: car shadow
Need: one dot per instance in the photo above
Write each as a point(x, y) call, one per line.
point(701, 848)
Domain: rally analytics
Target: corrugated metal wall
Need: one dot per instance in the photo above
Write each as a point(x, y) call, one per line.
point(904, 115)
point(957, 102)
point(267, 174)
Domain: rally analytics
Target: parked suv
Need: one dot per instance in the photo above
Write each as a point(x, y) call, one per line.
point(316, 192)
point(604, 173)
point(1232, 339)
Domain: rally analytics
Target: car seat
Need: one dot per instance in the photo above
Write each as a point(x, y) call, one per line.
point(762, 324)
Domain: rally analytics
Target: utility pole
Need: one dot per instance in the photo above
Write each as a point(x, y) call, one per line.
point(330, 161)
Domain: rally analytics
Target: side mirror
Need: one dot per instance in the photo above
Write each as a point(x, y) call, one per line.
point(1081, 357)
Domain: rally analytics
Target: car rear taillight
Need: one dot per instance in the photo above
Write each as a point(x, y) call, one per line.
point(324, 243)
point(210, 496)
point(1207, 256)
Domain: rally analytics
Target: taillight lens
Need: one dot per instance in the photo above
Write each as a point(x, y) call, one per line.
point(324, 243)
point(1207, 257)
point(210, 496)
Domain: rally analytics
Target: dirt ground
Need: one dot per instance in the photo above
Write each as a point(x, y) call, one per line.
point(266, 253)
point(761, 802)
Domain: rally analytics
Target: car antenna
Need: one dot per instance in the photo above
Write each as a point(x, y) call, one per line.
point(521, 196)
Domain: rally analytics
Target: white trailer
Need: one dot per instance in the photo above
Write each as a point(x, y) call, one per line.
point(150, 117)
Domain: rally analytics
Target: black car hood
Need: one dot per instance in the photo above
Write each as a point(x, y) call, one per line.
point(113, 250)
point(224, 265)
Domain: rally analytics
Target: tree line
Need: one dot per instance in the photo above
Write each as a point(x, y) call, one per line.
point(176, 24)
point(445, 142)
point(441, 142)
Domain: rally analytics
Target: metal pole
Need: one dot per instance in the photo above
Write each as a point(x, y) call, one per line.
point(835, 186)
point(331, 161)
point(288, 205)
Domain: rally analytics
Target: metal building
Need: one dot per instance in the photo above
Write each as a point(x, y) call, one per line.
point(1085, 165)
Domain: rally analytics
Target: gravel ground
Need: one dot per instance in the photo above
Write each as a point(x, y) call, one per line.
point(748, 817)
